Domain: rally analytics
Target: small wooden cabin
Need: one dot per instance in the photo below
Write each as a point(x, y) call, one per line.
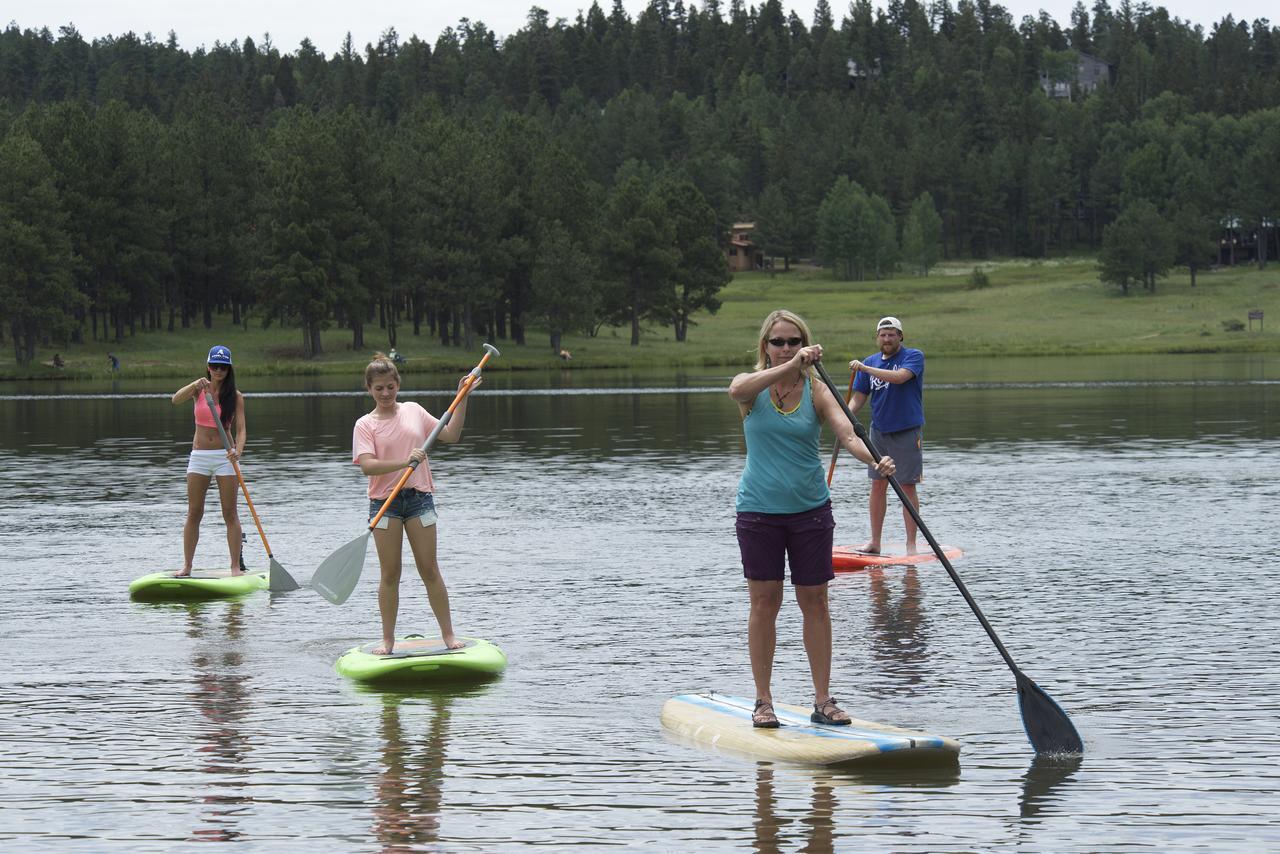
point(742, 252)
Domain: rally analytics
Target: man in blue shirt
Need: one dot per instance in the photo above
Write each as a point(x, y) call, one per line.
point(893, 379)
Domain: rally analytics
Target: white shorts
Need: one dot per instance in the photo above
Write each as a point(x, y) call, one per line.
point(210, 463)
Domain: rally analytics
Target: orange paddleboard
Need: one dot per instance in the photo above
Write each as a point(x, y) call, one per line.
point(849, 559)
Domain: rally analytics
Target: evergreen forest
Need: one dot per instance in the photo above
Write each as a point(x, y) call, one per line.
point(586, 172)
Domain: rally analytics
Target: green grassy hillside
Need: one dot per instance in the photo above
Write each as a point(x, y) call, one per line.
point(1029, 308)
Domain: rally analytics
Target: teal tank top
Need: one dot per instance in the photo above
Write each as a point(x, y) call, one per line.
point(784, 463)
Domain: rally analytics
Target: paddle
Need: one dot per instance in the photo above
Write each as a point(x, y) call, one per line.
point(835, 452)
point(1047, 725)
point(279, 579)
point(337, 576)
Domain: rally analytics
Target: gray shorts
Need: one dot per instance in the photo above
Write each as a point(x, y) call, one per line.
point(904, 447)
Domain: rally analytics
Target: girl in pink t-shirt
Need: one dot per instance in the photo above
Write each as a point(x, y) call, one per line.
point(384, 443)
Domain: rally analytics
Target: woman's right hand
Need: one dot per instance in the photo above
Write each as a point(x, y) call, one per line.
point(416, 455)
point(806, 356)
point(200, 385)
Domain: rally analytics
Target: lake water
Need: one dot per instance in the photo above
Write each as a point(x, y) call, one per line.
point(1120, 536)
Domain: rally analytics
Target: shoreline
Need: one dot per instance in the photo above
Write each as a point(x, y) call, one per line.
point(1029, 309)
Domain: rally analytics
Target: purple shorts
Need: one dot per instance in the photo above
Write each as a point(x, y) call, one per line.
point(804, 539)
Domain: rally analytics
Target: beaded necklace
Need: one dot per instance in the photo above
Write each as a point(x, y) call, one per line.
point(778, 405)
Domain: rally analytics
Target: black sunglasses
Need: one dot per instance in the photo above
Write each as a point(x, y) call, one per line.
point(219, 367)
point(790, 342)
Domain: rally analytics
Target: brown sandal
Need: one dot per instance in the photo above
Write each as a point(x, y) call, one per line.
point(827, 712)
point(763, 717)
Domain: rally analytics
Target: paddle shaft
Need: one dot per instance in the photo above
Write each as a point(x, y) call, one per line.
point(226, 443)
point(915, 515)
point(835, 452)
point(435, 432)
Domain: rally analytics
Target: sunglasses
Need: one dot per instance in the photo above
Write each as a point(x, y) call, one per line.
point(219, 367)
point(790, 342)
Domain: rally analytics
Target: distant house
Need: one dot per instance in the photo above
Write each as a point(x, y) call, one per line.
point(1241, 244)
point(861, 72)
point(742, 252)
point(1090, 73)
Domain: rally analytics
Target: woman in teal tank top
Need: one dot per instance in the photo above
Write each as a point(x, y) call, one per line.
point(784, 508)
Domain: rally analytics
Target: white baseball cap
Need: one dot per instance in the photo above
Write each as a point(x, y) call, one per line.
point(889, 323)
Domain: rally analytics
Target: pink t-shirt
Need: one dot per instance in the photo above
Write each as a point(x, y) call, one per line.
point(394, 439)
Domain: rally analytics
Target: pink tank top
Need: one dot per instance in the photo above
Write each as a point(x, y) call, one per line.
point(203, 418)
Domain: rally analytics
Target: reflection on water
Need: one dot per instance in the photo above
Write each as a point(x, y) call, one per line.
point(815, 823)
point(820, 810)
point(1043, 783)
point(408, 791)
point(899, 642)
point(221, 691)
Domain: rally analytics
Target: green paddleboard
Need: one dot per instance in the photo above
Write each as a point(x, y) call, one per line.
point(422, 661)
point(201, 584)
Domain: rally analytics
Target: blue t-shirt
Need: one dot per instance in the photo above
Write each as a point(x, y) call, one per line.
point(894, 407)
point(784, 463)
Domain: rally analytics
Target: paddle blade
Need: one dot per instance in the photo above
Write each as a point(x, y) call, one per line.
point(337, 576)
point(280, 579)
point(1048, 727)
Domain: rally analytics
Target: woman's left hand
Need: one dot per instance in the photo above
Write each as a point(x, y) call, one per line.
point(886, 466)
point(233, 455)
point(475, 385)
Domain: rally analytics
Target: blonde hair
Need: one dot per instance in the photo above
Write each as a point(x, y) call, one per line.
point(380, 365)
point(762, 357)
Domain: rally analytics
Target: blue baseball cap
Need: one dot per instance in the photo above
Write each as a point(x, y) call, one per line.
point(219, 355)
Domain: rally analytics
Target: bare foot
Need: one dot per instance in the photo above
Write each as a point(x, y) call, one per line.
point(235, 570)
point(453, 643)
point(872, 548)
point(385, 649)
point(911, 548)
point(186, 573)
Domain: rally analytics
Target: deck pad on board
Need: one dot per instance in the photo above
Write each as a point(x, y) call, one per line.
point(724, 722)
point(416, 647)
point(893, 554)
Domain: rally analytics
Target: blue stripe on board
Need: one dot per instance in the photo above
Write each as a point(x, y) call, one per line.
point(739, 707)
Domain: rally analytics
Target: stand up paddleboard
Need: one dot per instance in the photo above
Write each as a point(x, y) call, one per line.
point(724, 723)
point(848, 558)
point(421, 661)
point(201, 584)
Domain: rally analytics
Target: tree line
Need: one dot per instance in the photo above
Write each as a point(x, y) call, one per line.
point(584, 173)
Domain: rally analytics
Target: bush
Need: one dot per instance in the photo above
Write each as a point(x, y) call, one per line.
point(978, 279)
point(1233, 325)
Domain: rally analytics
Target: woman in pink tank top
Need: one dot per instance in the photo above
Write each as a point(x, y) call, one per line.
point(383, 444)
point(209, 459)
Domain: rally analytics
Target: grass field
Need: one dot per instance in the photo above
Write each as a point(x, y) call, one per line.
point(1055, 307)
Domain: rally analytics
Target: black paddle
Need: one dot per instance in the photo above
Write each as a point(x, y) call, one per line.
point(1047, 725)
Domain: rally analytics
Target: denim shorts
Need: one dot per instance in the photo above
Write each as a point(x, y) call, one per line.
point(408, 504)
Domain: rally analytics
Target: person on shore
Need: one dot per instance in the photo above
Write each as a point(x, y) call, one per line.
point(784, 507)
point(58, 362)
point(893, 379)
point(113, 362)
point(210, 458)
point(384, 443)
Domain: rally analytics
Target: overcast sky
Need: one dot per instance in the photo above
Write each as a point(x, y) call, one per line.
point(326, 22)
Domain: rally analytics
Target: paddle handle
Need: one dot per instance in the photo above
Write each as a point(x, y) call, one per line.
point(226, 443)
point(915, 515)
point(467, 384)
point(835, 452)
